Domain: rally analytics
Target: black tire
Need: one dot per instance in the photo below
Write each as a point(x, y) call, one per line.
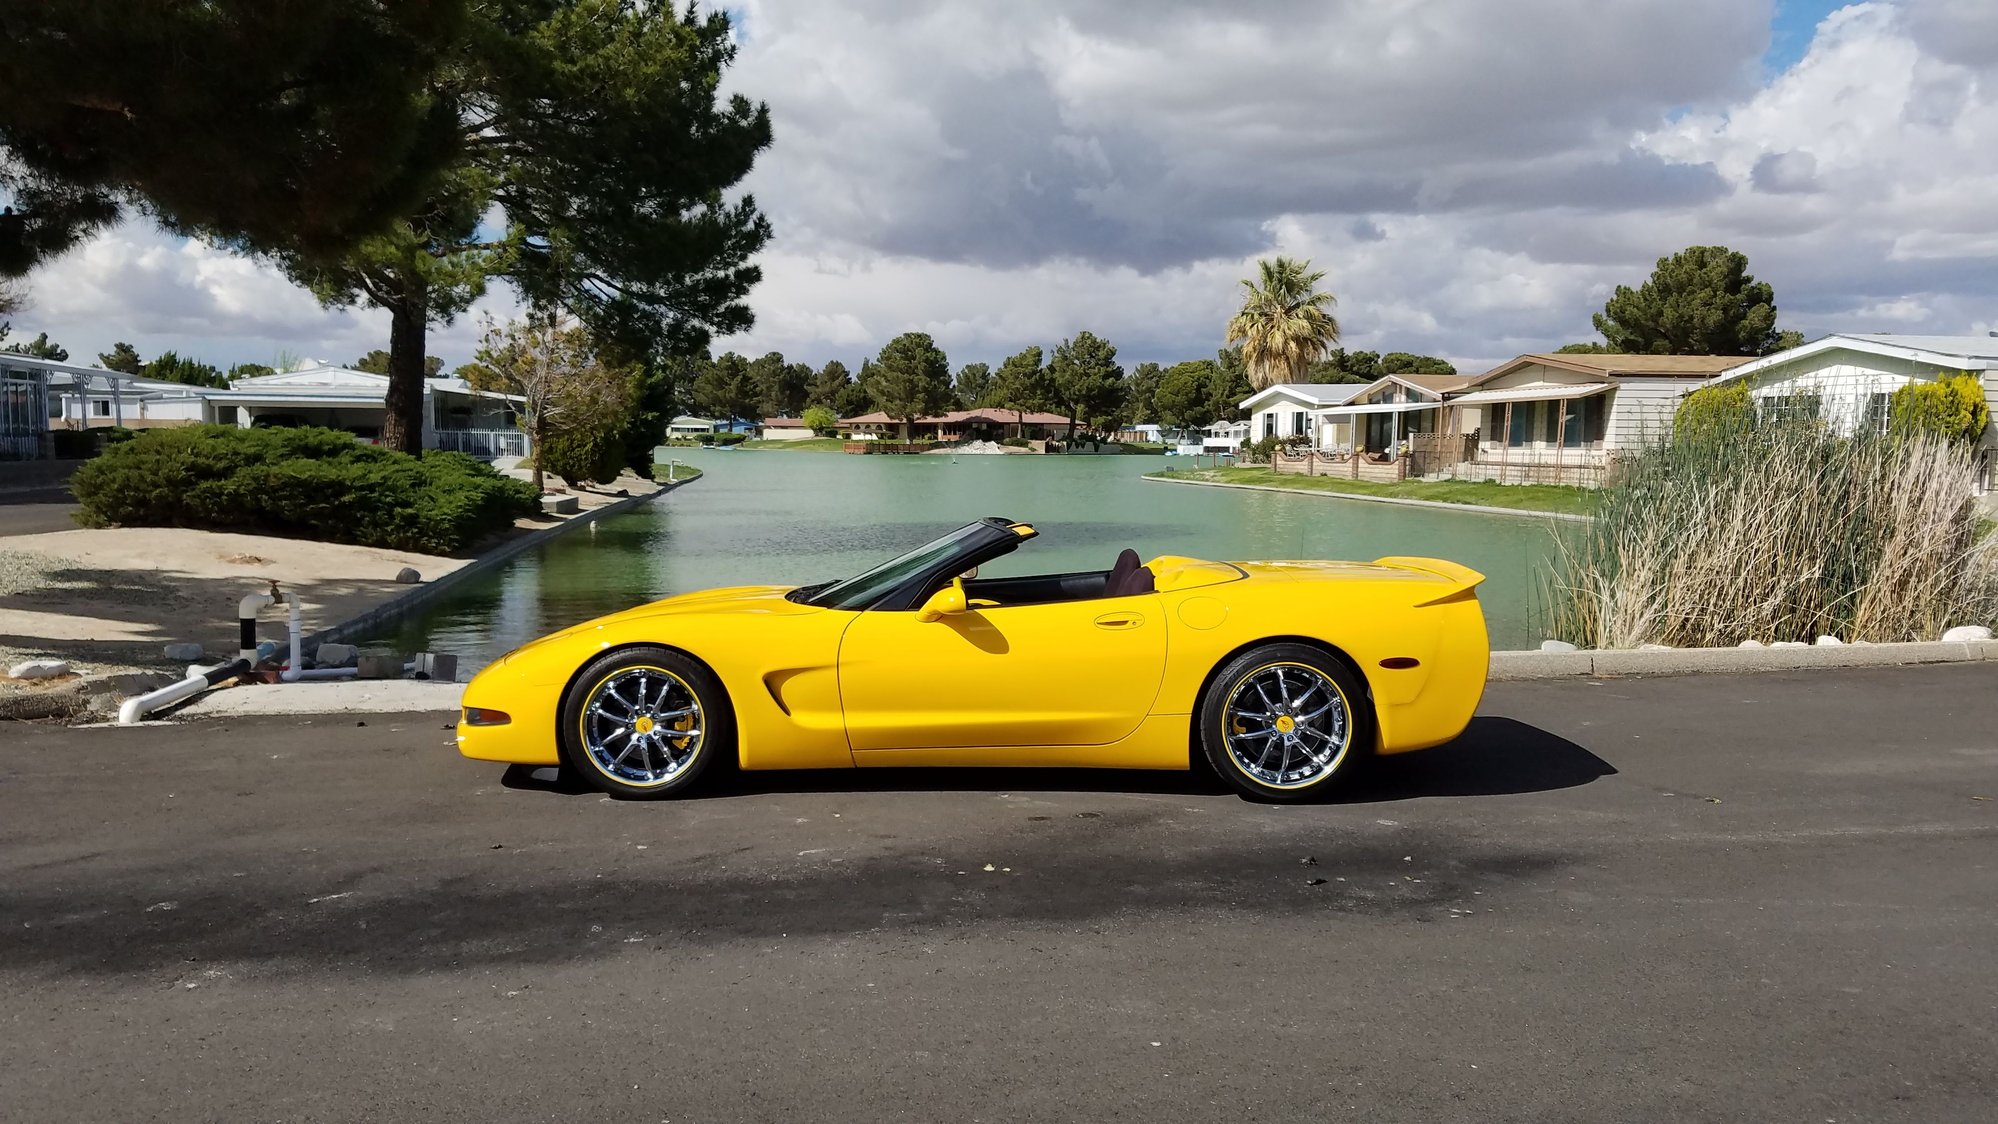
point(633, 671)
point(1305, 671)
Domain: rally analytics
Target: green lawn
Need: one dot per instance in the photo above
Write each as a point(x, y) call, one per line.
point(1526, 497)
point(807, 444)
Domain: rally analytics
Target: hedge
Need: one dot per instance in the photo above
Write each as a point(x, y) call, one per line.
point(583, 456)
point(307, 483)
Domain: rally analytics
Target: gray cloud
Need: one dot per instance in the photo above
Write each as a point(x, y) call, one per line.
point(1786, 173)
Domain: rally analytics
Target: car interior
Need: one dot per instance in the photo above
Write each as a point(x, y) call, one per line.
point(1127, 577)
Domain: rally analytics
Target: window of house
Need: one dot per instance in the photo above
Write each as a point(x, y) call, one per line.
point(1519, 430)
point(1584, 424)
point(1875, 417)
point(1297, 423)
point(100, 407)
point(1269, 424)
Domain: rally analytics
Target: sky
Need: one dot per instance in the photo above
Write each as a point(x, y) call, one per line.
point(1473, 178)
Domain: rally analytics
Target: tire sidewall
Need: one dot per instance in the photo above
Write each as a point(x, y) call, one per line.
point(717, 716)
point(1214, 701)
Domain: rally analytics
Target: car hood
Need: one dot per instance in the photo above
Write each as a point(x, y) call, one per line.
point(759, 599)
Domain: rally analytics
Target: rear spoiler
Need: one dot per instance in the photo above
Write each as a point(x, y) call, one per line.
point(1461, 579)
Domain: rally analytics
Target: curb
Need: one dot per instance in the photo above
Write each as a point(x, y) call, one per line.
point(1482, 509)
point(403, 605)
point(1518, 666)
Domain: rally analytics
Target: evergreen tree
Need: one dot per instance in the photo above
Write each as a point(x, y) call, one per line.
point(376, 362)
point(725, 390)
point(1184, 398)
point(1142, 394)
point(1088, 381)
point(122, 357)
point(911, 378)
point(170, 367)
point(1699, 301)
point(1022, 384)
point(973, 386)
point(827, 386)
point(39, 348)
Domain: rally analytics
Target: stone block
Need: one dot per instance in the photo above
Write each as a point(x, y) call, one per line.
point(335, 655)
point(1557, 646)
point(561, 505)
point(1966, 633)
point(39, 669)
point(381, 667)
point(184, 653)
point(441, 667)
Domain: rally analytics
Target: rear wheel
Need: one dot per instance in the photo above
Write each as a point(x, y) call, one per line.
point(645, 723)
point(1280, 721)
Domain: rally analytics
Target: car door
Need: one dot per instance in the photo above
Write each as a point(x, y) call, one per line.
point(1069, 673)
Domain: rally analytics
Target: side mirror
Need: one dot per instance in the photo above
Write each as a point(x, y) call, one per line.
point(946, 602)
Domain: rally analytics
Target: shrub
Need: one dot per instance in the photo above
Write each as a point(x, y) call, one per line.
point(726, 439)
point(1260, 450)
point(309, 483)
point(593, 455)
point(704, 438)
point(1714, 411)
point(1778, 532)
point(1015, 442)
point(1951, 408)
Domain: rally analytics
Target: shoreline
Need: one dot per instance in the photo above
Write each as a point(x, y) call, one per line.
point(1445, 505)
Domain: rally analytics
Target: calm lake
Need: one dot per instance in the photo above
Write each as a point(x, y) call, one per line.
point(798, 517)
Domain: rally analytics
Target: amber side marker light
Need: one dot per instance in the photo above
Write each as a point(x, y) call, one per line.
point(1400, 663)
point(479, 716)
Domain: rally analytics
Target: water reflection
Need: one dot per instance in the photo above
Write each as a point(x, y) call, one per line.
point(801, 517)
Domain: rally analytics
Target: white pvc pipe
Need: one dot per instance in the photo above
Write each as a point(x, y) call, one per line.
point(246, 621)
point(198, 680)
point(295, 670)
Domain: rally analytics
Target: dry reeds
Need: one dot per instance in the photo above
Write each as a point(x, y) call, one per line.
point(1777, 531)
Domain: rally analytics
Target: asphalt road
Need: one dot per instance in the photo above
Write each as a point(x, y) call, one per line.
point(1763, 898)
point(23, 517)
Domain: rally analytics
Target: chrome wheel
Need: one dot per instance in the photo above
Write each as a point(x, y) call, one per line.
point(1286, 725)
point(642, 726)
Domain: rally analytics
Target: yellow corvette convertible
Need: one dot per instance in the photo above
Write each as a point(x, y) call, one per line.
point(1280, 673)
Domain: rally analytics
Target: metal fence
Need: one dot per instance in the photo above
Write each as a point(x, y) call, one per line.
point(486, 444)
point(24, 416)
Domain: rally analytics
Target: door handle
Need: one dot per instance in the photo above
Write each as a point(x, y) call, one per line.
point(1119, 620)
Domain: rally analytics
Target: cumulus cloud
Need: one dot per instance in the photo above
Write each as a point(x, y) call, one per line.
point(1474, 177)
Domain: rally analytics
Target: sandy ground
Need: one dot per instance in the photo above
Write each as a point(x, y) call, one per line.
point(111, 599)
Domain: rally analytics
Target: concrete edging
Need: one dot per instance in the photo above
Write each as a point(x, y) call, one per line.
point(406, 603)
point(1482, 509)
point(1514, 666)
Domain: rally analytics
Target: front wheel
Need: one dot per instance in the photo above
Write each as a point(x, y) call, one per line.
point(645, 723)
point(1280, 721)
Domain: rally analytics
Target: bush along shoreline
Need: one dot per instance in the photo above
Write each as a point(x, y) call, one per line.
point(300, 483)
point(1739, 531)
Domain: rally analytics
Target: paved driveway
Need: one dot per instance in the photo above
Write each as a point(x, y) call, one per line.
point(1763, 898)
point(25, 518)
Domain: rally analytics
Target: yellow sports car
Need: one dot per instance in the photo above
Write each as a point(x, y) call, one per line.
point(1279, 673)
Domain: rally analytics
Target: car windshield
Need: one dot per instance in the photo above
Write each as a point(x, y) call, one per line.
point(861, 590)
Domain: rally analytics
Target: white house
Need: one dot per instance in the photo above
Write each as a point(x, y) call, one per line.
point(1224, 437)
point(1377, 417)
point(1850, 379)
point(1289, 409)
point(1561, 419)
point(455, 417)
point(784, 429)
point(686, 425)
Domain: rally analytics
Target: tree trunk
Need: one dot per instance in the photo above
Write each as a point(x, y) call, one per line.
point(402, 429)
point(538, 440)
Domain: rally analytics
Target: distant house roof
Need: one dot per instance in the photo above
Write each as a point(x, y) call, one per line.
point(784, 423)
point(1968, 353)
point(1314, 393)
point(992, 415)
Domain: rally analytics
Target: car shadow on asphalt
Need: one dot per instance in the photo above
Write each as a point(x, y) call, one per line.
point(1494, 756)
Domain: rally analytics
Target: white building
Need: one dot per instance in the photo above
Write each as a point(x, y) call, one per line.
point(1224, 437)
point(456, 417)
point(1850, 379)
point(687, 425)
point(1289, 409)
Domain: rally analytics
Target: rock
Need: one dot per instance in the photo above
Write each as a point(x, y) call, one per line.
point(184, 653)
point(1966, 633)
point(441, 667)
point(1789, 644)
point(380, 667)
point(39, 669)
point(1557, 646)
point(408, 575)
point(335, 655)
point(561, 505)
point(1654, 647)
point(1830, 642)
point(1749, 644)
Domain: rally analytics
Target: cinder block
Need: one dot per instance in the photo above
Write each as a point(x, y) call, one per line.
point(439, 666)
point(381, 667)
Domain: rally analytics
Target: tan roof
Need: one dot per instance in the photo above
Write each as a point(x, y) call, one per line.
point(783, 423)
point(1437, 383)
point(994, 414)
point(1660, 366)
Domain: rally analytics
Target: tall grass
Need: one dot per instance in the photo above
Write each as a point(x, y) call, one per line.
point(1777, 531)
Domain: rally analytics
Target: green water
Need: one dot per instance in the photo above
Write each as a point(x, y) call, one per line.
point(798, 517)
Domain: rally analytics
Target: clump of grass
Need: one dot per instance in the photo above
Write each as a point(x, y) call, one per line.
point(1777, 531)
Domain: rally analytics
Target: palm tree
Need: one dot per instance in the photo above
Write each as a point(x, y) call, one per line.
point(1284, 326)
